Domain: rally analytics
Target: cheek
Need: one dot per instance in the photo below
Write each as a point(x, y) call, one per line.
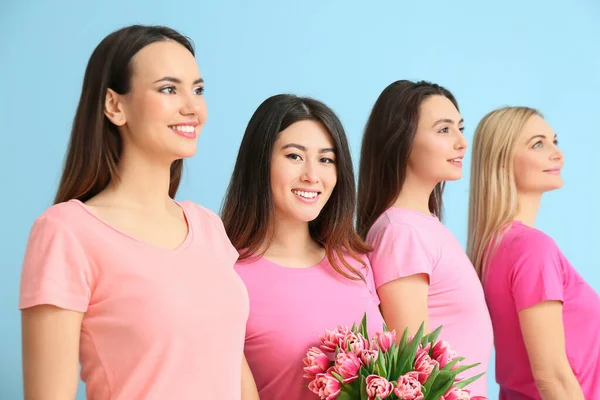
point(201, 109)
point(330, 178)
point(427, 151)
point(282, 176)
point(526, 168)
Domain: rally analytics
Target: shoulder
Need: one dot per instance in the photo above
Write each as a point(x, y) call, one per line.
point(62, 216)
point(201, 213)
point(524, 239)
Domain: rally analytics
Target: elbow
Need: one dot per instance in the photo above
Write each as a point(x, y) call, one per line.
point(552, 382)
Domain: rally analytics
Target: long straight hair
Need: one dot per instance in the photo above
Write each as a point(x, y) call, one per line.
point(95, 145)
point(386, 145)
point(493, 191)
point(248, 209)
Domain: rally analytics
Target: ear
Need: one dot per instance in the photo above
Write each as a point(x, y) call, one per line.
point(113, 108)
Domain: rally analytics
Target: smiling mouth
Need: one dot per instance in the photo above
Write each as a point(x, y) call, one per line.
point(305, 194)
point(554, 171)
point(456, 161)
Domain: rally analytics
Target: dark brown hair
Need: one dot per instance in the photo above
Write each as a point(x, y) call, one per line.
point(386, 146)
point(248, 206)
point(95, 145)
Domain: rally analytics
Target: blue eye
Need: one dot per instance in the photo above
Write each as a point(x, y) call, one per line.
point(538, 144)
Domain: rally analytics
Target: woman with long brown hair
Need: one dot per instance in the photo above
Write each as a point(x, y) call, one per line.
point(413, 143)
point(117, 274)
point(289, 211)
point(546, 317)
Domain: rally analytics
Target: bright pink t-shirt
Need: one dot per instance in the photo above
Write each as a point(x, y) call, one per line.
point(528, 268)
point(289, 309)
point(158, 323)
point(408, 242)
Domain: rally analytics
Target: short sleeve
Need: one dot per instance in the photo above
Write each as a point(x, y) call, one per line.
point(537, 272)
point(398, 252)
point(220, 236)
point(56, 270)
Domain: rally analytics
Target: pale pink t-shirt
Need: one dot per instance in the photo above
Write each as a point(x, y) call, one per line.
point(408, 242)
point(528, 268)
point(289, 309)
point(158, 323)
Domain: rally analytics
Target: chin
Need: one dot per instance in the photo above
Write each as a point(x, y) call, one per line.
point(450, 177)
point(185, 152)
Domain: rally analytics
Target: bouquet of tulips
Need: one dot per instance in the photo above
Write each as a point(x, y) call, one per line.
point(350, 366)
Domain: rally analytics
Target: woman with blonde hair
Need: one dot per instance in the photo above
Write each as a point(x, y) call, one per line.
point(545, 316)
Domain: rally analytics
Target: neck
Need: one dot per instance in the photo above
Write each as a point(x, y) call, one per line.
point(415, 195)
point(528, 205)
point(291, 240)
point(142, 182)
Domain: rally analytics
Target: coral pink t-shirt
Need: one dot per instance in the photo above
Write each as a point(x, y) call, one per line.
point(158, 323)
point(289, 309)
point(408, 242)
point(526, 269)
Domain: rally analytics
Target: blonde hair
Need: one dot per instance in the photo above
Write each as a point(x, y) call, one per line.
point(493, 192)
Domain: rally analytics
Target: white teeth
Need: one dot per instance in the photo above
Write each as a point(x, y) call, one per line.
point(183, 128)
point(306, 195)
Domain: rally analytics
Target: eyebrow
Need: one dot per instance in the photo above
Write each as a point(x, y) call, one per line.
point(447, 121)
point(176, 80)
point(540, 136)
point(303, 148)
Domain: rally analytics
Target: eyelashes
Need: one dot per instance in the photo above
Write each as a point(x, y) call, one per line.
point(171, 89)
point(297, 157)
point(447, 130)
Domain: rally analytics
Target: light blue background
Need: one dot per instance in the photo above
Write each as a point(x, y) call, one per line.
point(502, 53)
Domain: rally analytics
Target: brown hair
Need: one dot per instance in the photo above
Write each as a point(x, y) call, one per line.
point(248, 206)
point(95, 145)
point(386, 146)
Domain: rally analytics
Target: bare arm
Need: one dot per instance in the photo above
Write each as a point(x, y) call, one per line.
point(404, 303)
point(50, 352)
point(249, 391)
point(544, 337)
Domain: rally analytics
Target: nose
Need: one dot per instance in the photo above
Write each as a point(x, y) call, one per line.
point(188, 105)
point(557, 154)
point(461, 142)
point(309, 174)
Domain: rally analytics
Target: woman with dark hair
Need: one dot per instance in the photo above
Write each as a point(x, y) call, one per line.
point(289, 212)
point(413, 143)
point(117, 274)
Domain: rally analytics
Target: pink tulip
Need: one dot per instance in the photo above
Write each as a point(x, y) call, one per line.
point(331, 339)
point(315, 363)
point(369, 356)
point(457, 394)
point(385, 340)
point(424, 364)
point(378, 387)
point(347, 365)
point(443, 354)
point(354, 342)
point(326, 386)
point(409, 387)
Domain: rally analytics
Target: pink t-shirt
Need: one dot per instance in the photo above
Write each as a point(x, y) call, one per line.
point(528, 268)
point(408, 242)
point(289, 309)
point(158, 323)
